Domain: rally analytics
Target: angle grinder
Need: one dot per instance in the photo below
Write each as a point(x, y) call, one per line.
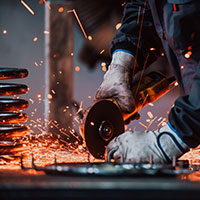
point(104, 120)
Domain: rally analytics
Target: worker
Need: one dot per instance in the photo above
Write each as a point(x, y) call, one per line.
point(172, 25)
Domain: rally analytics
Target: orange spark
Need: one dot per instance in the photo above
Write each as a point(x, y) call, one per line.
point(27, 7)
point(150, 123)
point(38, 96)
point(174, 7)
point(138, 17)
point(152, 49)
point(31, 100)
point(36, 64)
point(102, 51)
point(92, 123)
point(123, 4)
point(41, 62)
point(46, 32)
point(150, 114)
point(35, 39)
point(103, 66)
point(188, 54)
point(48, 6)
point(49, 96)
point(176, 83)
point(90, 37)
point(40, 2)
point(142, 73)
point(118, 25)
point(76, 119)
point(163, 120)
point(80, 108)
point(77, 68)
point(142, 125)
point(4, 32)
point(182, 66)
point(139, 37)
point(60, 10)
point(164, 123)
point(78, 20)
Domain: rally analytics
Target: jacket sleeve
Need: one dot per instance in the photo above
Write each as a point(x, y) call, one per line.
point(127, 36)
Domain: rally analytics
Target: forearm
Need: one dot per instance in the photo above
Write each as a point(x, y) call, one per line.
point(137, 34)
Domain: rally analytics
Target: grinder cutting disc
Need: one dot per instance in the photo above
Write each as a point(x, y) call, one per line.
point(103, 122)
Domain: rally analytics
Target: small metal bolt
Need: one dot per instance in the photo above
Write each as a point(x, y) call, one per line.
point(150, 161)
point(173, 161)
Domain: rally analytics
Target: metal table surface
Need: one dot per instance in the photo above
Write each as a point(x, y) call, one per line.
point(30, 184)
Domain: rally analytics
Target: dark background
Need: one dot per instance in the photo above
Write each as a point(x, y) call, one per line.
point(17, 49)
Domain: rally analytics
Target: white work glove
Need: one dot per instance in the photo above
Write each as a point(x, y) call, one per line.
point(117, 81)
point(139, 147)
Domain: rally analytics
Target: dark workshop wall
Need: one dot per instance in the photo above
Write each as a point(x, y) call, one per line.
point(17, 49)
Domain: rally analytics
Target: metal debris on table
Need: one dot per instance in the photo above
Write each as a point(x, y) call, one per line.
point(113, 169)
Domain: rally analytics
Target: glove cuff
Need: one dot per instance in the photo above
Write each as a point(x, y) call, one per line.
point(170, 143)
point(123, 58)
point(182, 143)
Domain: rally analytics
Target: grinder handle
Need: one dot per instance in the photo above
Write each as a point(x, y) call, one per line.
point(147, 90)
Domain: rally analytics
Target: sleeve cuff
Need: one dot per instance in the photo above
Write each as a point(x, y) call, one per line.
point(123, 50)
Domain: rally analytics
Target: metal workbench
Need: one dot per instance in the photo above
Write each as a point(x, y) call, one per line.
point(30, 184)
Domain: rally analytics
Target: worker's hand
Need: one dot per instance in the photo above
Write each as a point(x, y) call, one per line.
point(139, 147)
point(117, 81)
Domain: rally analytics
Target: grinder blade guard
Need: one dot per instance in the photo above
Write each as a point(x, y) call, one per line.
point(103, 122)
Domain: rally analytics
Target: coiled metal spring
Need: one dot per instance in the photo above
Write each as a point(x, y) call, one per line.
point(11, 112)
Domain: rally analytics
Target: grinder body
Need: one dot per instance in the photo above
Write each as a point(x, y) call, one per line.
point(104, 120)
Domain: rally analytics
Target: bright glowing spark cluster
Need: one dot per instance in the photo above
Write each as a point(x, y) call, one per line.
point(44, 146)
